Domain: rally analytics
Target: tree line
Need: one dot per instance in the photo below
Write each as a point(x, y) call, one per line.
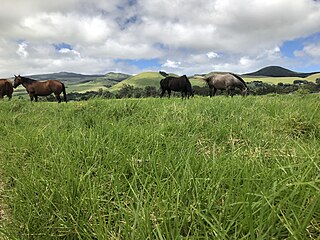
point(255, 88)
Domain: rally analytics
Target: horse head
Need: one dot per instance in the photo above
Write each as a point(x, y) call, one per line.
point(245, 92)
point(17, 81)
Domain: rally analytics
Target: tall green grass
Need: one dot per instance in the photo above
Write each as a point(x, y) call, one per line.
point(219, 168)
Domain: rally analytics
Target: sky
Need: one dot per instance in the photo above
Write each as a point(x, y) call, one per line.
point(176, 36)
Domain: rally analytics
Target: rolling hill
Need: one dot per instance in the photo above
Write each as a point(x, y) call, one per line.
point(140, 80)
point(115, 81)
point(76, 82)
point(145, 79)
point(277, 71)
point(67, 77)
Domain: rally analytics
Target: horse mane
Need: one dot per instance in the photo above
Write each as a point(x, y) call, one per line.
point(27, 80)
point(239, 78)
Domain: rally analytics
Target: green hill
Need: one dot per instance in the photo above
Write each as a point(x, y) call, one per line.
point(276, 80)
point(66, 77)
point(111, 78)
point(104, 82)
point(145, 79)
point(140, 80)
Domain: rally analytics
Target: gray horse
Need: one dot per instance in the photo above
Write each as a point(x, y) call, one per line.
point(228, 82)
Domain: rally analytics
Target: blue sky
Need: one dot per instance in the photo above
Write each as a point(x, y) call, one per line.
point(292, 48)
point(179, 36)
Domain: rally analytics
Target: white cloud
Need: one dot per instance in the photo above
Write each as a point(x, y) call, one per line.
point(189, 36)
point(69, 52)
point(171, 64)
point(312, 50)
point(22, 52)
point(212, 55)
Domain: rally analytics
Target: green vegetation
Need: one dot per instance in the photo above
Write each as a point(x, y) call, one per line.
point(148, 79)
point(141, 80)
point(113, 82)
point(224, 168)
point(276, 80)
point(152, 79)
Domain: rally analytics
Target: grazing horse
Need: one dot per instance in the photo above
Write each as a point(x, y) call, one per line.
point(177, 84)
point(228, 82)
point(6, 88)
point(37, 88)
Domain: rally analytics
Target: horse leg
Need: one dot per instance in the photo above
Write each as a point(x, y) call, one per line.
point(64, 93)
point(182, 94)
point(210, 92)
point(58, 98)
point(230, 91)
point(162, 93)
point(169, 93)
point(36, 98)
point(31, 97)
point(213, 91)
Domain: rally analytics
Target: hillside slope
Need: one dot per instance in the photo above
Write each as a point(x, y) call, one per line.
point(277, 71)
point(140, 80)
point(67, 77)
point(153, 79)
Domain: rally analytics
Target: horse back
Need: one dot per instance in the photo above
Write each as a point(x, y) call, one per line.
point(6, 87)
point(46, 87)
point(55, 85)
point(180, 83)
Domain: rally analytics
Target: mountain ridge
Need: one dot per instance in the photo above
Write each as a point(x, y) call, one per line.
point(278, 71)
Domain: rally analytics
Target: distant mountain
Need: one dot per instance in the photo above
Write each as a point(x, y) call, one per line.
point(66, 77)
point(110, 78)
point(277, 71)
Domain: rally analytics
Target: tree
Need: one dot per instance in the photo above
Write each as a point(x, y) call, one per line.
point(151, 91)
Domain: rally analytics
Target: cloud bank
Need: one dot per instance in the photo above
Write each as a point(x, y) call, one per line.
point(184, 36)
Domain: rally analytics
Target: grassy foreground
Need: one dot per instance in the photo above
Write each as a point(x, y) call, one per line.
point(220, 168)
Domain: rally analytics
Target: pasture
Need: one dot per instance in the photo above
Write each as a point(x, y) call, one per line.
point(219, 168)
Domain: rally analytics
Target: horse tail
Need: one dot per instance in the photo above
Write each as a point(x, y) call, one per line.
point(206, 79)
point(64, 92)
point(239, 78)
point(8, 89)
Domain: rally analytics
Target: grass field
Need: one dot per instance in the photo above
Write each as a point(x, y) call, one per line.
point(276, 80)
point(219, 168)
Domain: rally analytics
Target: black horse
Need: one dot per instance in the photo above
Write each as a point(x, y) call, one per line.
point(177, 84)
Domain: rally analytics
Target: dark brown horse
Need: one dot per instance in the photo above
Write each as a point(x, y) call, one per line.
point(37, 88)
point(6, 88)
point(178, 84)
point(228, 82)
